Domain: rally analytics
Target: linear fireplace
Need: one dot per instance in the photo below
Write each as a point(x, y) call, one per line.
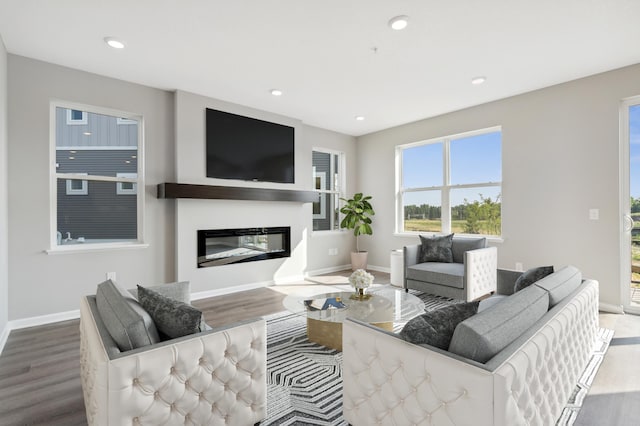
point(224, 246)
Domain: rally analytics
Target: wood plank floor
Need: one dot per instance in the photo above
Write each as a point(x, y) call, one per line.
point(40, 366)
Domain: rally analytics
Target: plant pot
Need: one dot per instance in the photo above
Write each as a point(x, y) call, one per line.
point(359, 260)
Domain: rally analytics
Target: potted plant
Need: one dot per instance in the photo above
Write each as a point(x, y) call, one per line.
point(357, 213)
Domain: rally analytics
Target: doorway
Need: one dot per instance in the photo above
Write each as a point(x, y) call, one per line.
point(630, 187)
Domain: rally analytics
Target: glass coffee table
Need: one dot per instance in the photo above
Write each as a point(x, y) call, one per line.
point(325, 312)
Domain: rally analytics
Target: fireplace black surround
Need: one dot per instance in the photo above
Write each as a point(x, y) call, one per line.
point(226, 246)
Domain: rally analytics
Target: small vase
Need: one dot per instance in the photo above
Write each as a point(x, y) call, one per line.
point(360, 295)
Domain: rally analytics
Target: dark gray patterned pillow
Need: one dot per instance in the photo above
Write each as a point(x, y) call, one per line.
point(436, 249)
point(436, 328)
point(531, 276)
point(172, 318)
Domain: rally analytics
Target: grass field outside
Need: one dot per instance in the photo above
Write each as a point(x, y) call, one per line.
point(435, 225)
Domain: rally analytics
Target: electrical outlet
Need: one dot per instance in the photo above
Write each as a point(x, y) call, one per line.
point(333, 252)
point(111, 276)
point(519, 266)
point(594, 214)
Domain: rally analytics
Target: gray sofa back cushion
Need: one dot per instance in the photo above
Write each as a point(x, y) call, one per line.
point(560, 284)
point(484, 335)
point(180, 291)
point(460, 245)
point(128, 323)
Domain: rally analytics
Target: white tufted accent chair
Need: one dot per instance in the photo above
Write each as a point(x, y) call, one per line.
point(215, 377)
point(480, 272)
point(388, 381)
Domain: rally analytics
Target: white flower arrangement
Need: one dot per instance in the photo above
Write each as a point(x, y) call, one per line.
point(360, 279)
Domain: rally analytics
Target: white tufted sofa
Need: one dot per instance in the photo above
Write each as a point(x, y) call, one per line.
point(388, 381)
point(215, 377)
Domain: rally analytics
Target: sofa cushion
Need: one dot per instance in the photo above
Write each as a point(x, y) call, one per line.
point(436, 249)
point(128, 323)
point(180, 291)
point(560, 284)
point(435, 328)
point(460, 245)
point(483, 335)
point(490, 302)
point(530, 276)
point(173, 318)
point(449, 274)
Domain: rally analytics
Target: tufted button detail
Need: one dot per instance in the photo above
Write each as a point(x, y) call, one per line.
point(135, 382)
point(136, 420)
point(201, 360)
point(156, 395)
point(173, 406)
point(173, 370)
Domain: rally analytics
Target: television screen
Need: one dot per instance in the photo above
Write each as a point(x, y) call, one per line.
point(246, 148)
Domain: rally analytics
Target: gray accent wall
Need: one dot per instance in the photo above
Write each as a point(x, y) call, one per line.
point(560, 148)
point(4, 191)
point(41, 283)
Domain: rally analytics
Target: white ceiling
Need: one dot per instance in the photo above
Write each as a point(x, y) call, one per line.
point(333, 59)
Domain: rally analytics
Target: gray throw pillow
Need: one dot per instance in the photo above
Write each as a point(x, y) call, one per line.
point(436, 328)
point(172, 318)
point(531, 276)
point(436, 249)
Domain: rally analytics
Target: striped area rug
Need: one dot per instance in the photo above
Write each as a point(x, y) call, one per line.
point(304, 379)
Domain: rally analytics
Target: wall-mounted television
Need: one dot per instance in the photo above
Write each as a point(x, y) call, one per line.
point(246, 148)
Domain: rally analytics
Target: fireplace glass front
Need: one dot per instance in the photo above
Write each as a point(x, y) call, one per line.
point(224, 246)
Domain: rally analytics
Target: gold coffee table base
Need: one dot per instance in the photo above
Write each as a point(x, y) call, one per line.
point(329, 333)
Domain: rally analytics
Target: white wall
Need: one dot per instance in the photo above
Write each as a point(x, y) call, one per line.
point(560, 159)
point(192, 215)
point(4, 188)
point(39, 283)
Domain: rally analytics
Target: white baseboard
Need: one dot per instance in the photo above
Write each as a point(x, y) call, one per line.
point(611, 308)
point(44, 319)
point(327, 270)
point(379, 268)
point(229, 290)
point(35, 321)
point(3, 337)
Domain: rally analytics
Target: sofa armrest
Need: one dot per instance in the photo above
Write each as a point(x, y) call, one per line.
point(411, 254)
point(387, 380)
point(480, 272)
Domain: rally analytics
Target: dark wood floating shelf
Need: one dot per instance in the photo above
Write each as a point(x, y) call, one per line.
point(213, 192)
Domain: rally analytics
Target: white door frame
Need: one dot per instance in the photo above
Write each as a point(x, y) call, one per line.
point(625, 207)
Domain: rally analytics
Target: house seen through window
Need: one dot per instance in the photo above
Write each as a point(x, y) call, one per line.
point(96, 170)
point(452, 184)
point(328, 181)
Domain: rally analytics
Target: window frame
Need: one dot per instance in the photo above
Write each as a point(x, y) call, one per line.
point(446, 186)
point(84, 190)
point(120, 190)
point(139, 242)
point(72, 121)
point(339, 187)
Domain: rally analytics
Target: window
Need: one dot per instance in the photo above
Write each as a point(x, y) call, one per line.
point(76, 117)
point(451, 184)
point(328, 181)
point(125, 188)
point(110, 211)
point(77, 186)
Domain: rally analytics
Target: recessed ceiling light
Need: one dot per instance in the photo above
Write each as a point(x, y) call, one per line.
point(478, 80)
point(113, 42)
point(359, 117)
point(276, 92)
point(399, 22)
